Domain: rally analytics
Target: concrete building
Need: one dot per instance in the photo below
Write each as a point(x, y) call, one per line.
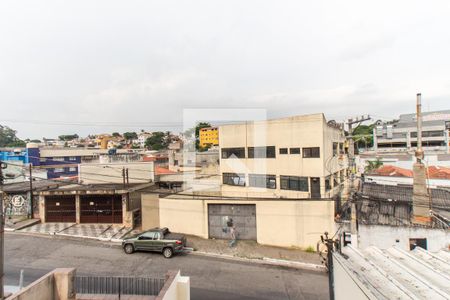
point(391, 273)
point(277, 222)
point(401, 134)
point(295, 157)
point(209, 136)
point(93, 203)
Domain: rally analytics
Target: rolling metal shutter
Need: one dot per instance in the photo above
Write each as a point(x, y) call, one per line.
point(60, 208)
point(243, 217)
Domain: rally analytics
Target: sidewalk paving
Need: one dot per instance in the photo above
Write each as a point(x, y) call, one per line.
point(251, 250)
point(12, 224)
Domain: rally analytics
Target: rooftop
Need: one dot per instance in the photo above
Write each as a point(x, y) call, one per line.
point(397, 274)
point(434, 172)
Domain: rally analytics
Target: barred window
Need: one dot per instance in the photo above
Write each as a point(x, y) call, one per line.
point(261, 180)
point(233, 152)
point(294, 183)
point(233, 179)
point(311, 152)
point(261, 152)
point(283, 150)
point(294, 150)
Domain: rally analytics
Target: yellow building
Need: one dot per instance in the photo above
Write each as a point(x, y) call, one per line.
point(209, 136)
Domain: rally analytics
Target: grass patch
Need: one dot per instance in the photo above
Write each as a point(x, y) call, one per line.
point(310, 249)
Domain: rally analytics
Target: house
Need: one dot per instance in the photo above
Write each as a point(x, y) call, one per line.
point(93, 203)
point(437, 177)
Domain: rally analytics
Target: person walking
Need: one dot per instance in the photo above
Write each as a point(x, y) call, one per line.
point(233, 235)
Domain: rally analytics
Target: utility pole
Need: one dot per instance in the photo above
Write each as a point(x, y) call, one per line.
point(2, 231)
point(123, 177)
point(31, 192)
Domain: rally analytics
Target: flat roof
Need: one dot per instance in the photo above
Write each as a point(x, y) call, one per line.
point(397, 274)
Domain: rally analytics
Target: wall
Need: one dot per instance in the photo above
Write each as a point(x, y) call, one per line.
point(177, 287)
point(385, 237)
point(150, 211)
point(345, 285)
point(16, 204)
point(56, 285)
point(279, 223)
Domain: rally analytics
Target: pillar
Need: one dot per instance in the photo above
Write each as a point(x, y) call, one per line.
point(77, 209)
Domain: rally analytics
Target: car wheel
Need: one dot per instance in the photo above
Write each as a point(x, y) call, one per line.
point(128, 248)
point(167, 252)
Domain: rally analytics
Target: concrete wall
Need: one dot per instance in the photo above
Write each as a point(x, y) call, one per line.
point(56, 285)
point(150, 211)
point(300, 131)
point(345, 285)
point(385, 237)
point(177, 287)
point(278, 222)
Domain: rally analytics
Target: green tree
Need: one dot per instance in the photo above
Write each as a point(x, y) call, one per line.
point(8, 138)
point(116, 134)
point(68, 137)
point(363, 136)
point(157, 141)
point(373, 165)
point(130, 136)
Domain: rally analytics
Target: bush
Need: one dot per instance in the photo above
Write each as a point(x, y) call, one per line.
point(310, 249)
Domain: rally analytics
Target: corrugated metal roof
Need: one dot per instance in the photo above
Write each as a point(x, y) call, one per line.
point(397, 274)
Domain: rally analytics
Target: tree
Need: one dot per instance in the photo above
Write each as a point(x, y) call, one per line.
point(35, 141)
point(373, 165)
point(157, 141)
point(116, 134)
point(130, 136)
point(8, 138)
point(363, 135)
point(68, 137)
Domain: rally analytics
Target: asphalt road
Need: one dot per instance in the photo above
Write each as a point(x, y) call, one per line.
point(211, 278)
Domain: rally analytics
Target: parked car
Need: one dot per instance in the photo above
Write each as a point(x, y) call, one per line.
point(157, 240)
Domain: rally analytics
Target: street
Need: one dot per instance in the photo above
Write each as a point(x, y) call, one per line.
point(211, 278)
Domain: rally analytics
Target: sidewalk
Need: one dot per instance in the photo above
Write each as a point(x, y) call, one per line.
point(250, 250)
point(17, 223)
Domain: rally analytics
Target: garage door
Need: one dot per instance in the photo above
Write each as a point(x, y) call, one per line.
point(60, 209)
point(101, 209)
point(243, 217)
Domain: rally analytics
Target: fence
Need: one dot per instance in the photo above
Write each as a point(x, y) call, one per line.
point(118, 285)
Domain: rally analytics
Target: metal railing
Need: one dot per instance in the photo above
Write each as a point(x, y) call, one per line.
point(118, 285)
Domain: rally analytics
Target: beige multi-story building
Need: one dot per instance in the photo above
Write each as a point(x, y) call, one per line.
point(278, 179)
point(294, 157)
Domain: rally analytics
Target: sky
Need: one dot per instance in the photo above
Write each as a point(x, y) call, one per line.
point(101, 66)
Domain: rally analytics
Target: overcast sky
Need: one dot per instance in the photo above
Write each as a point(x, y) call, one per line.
point(100, 66)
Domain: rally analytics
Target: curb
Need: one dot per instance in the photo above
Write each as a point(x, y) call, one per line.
point(267, 261)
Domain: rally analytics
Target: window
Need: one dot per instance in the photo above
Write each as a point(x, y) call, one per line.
point(72, 158)
point(335, 149)
point(311, 152)
point(294, 150)
point(294, 183)
point(175, 162)
point(431, 133)
point(264, 181)
point(58, 170)
point(261, 152)
point(147, 236)
point(233, 179)
point(72, 169)
point(341, 148)
point(327, 183)
point(283, 151)
point(233, 153)
point(57, 159)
